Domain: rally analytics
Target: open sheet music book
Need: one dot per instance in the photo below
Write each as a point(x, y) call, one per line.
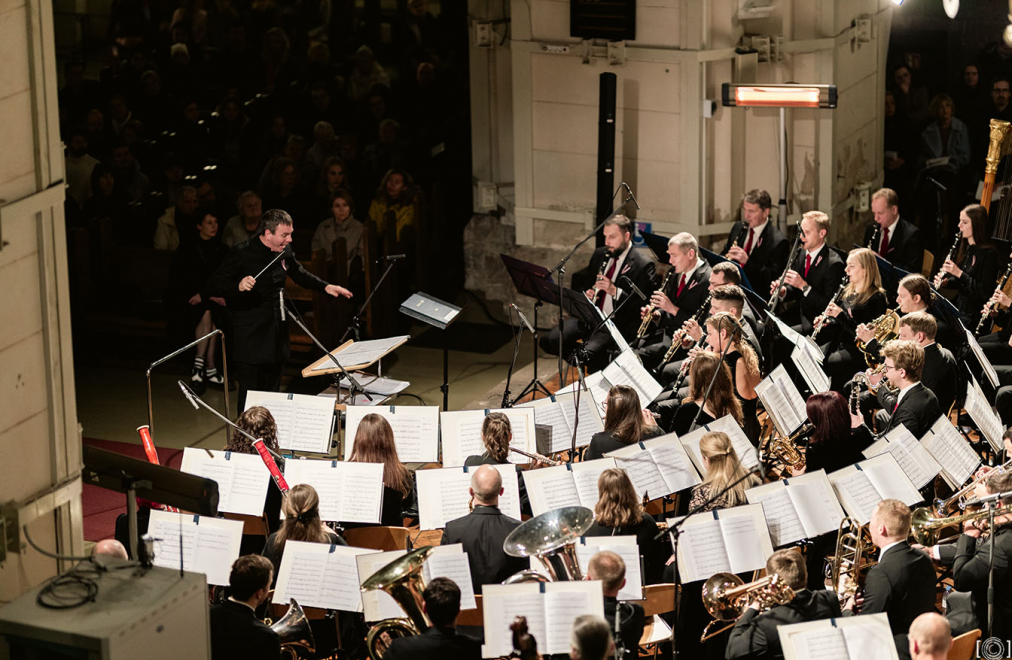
point(978, 352)
point(349, 492)
point(596, 385)
point(445, 561)
point(460, 432)
point(450, 561)
point(550, 608)
point(210, 545)
point(378, 605)
point(657, 467)
point(802, 341)
point(979, 409)
point(914, 459)
point(782, 401)
point(811, 370)
point(798, 508)
point(305, 423)
point(731, 540)
point(416, 430)
point(443, 494)
point(626, 548)
point(242, 479)
point(559, 413)
point(865, 637)
point(747, 454)
point(570, 484)
point(320, 575)
point(627, 369)
point(861, 486)
point(354, 355)
point(952, 451)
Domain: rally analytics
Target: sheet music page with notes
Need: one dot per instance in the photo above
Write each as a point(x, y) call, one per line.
point(989, 371)
point(869, 637)
point(450, 561)
point(952, 451)
point(747, 454)
point(746, 537)
point(416, 430)
point(551, 488)
point(642, 471)
point(701, 549)
point(816, 503)
point(890, 480)
point(564, 601)
point(349, 492)
point(820, 644)
point(378, 605)
point(501, 603)
point(320, 575)
point(443, 494)
point(926, 463)
point(210, 545)
point(305, 423)
point(596, 385)
point(461, 434)
point(625, 547)
point(549, 413)
point(242, 479)
point(586, 475)
point(891, 444)
point(590, 421)
point(979, 409)
point(627, 369)
point(672, 462)
point(782, 517)
point(865, 637)
point(810, 370)
point(782, 401)
point(856, 492)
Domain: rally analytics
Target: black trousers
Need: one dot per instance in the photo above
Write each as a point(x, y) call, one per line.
point(262, 377)
point(598, 347)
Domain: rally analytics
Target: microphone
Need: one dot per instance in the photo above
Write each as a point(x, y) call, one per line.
point(631, 195)
point(523, 318)
point(188, 393)
point(395, 257)
point(628, 282)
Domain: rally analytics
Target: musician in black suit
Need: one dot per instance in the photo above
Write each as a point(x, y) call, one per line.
point(683, 298)
point(259, 337)
point(609, 568)
point(755, 635)
point(815, 275)
point(914, 405)
point(236, 633)
point(483, 531)
point(898, 241)
point(902, 583)
point(442, 605)
point(603, 280)
point(756, 243)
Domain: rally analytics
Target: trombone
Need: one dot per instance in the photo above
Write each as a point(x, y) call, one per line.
point(926, 530)
point(941, 507)
point(726, 596)
point(850, 562)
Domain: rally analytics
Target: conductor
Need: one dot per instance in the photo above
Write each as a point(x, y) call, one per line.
point(252, 279)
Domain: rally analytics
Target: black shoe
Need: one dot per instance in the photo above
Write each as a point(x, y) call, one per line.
point(215, 380)
point(197, 382)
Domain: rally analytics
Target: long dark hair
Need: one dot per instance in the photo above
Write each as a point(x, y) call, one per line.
point(624, 417)
point(829, 415)
point(981, 236)
point(258, 422)
point(374, 443)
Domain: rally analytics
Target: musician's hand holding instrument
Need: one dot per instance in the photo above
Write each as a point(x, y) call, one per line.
point(693, 332)
point(793, 278)
point(738, 254)
point(865, 333)
point(660, 300)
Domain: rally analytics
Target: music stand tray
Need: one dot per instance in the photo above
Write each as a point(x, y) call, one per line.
point(536, 282)
point(713, 259)
point(439, 314)
point(377, 349)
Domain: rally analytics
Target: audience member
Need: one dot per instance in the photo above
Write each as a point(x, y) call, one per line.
point(244, 225)
point(341, 224)
point(911, 98)
point(183, 214)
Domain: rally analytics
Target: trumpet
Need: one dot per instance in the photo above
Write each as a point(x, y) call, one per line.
point(651, 312)
point(679, 335)
point(726, 596)
point(941, 276)
point(536, 456)
point(821, 319)
point(991, 305)
point(926, 529)
point(941, 507)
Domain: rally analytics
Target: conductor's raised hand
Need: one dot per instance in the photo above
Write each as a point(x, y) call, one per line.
point(247, 283)
point(336, 291)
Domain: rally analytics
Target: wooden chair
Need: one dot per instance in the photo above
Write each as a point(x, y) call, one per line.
point(658, 599)
point(964, 647)
point(253, 525)
point(473, 617)
point(377, 538)
point(927, 264)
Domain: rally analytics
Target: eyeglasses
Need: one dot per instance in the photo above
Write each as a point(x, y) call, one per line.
point(889, 366)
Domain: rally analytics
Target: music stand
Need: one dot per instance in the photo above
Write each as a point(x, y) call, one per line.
point(891, 276)
point(439, 314)
point(535, 282)
point(658, 245)
point(158, 483)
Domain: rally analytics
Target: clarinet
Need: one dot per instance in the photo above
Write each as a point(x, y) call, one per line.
point(821, 319)
point(790, 262)
point(651, 312)
point(737, 242)
point(679, 335)
point(942, 276)
point(599, 296)
point(990, 306)
point(875, 233)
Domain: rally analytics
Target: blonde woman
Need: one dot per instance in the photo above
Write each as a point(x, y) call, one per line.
point(721, 401)
point(619, 512)
point(724, 331)
point(722, 469)
point(863, 301)
point(374, 443)
point(302, 523)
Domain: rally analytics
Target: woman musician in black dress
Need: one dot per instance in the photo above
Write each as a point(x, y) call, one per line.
point(974, 269)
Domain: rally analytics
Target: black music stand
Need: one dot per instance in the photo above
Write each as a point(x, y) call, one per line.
point(658, 245)
point(107, 469)
point(535, 282)
point(439, 314)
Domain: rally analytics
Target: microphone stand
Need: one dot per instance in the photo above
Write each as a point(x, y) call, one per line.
point(353, 327)
point(352, 383)
point(713, 378)
point(197, 402)
point(675, 533)
point(506, 403)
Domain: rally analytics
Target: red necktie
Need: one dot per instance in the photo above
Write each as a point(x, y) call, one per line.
point(681, 285)
point(885, 243)
point(896, 406)
point(748, 243)
point(611, 271)
point(808, 263)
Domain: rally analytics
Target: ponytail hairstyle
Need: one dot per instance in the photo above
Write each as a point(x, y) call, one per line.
point(302, 520)
point(374, 443)
point(623, 418)
point(724, 467)
point(732, 326)
point(722, 399)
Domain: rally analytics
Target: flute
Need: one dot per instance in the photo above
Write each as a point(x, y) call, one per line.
point(537, 457)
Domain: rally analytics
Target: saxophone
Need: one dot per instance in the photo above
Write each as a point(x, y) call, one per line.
point(679, 335)
point(786, 450)
point(651, 312)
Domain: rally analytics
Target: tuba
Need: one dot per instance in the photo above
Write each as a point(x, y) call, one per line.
point(552, 535)
point(886, 327)
point(725, 597)
point(293, 630)
point(849, 564)
point(402, 579)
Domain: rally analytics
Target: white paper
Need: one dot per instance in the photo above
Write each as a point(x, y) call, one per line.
point(915, 461)
point(590, 421)
point(865, 637)
point(305, 423)
point(349, 492)
point(320, 575)
point(781, 515)
point(810, 370)
point(378, 604)
point(746, 452)
point(450, 561)
point(596, 384)
point(952, 451)
point(816, 502)
point(443, 494)
point(242, 479)
point(501, 604)
point(626, 548)
point(782, 401)
point(548, 413)
point(416, 430)
point(863, 485)
point(889, 480)
point(564, 602)
point(460, 433)
point(210, 545)
point(627, 369)
point(362, 352)
point(979, 409)
point(672, 462)
point(746, 537)
point(586, 475)
point(551, 488)
point(701, 549)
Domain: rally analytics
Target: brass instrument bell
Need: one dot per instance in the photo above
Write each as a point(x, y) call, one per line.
point(293, 630)
point(402, 579)
point(550, 535)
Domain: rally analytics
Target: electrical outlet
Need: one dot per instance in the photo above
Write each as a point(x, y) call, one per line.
point(487, 194)
point(483, 35)
point(863, 191)
point(863, 29)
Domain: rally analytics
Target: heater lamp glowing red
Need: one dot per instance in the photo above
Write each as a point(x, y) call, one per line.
point(779, 96)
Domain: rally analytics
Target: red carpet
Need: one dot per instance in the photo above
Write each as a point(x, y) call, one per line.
point(101, 506)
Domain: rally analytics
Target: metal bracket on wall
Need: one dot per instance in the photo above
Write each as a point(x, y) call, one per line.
point(9, 537)
point(30, 205)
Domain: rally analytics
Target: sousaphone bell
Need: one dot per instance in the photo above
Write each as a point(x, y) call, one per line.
point(552, 535)
point(402, 579)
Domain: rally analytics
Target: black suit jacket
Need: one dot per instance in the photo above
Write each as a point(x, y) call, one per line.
point(824, 277)
point(918, 410)
point(906, 246)
point(768, 257)
point(435, 644)
point(696, 289)
point(975, 286)
point(939, 375)
point(630, 626)
point(638, 268)
point(970, 573)
point(755, 635)
point(236, 634)
point(901, 584)
point(482, 533)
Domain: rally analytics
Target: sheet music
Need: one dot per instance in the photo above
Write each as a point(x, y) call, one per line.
point(416, 430)
point(810, 370)
point(870, 639)
point(865, 637)
point(305, 423)
point(551, 488)
point(349, 492)
point(701, 549)
point(563, 602)
point(378, 605)
point(782, 401)
point(672, 462)
point(320, 575)
point(822, 644)
point(642, 471)
point(443, 494)
point(242, 479)
point(979, 409)
point(590, 421)
point(889, 480)
point(461, 434)
point(450, 561)
point(816, 502)
point(616, 336)
point(362, 352)
point(857, 494)
point(989, 371)
point(597, 385)
point(914, 460)
point(501, 603)
point(802, 341)
point(747, 454)
point(586, 474)
point(746, 537)
point(626, 548)
point(958, 459)
point(782, 517)
point(210, 545)
point(626, 369)
point(549, 413)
